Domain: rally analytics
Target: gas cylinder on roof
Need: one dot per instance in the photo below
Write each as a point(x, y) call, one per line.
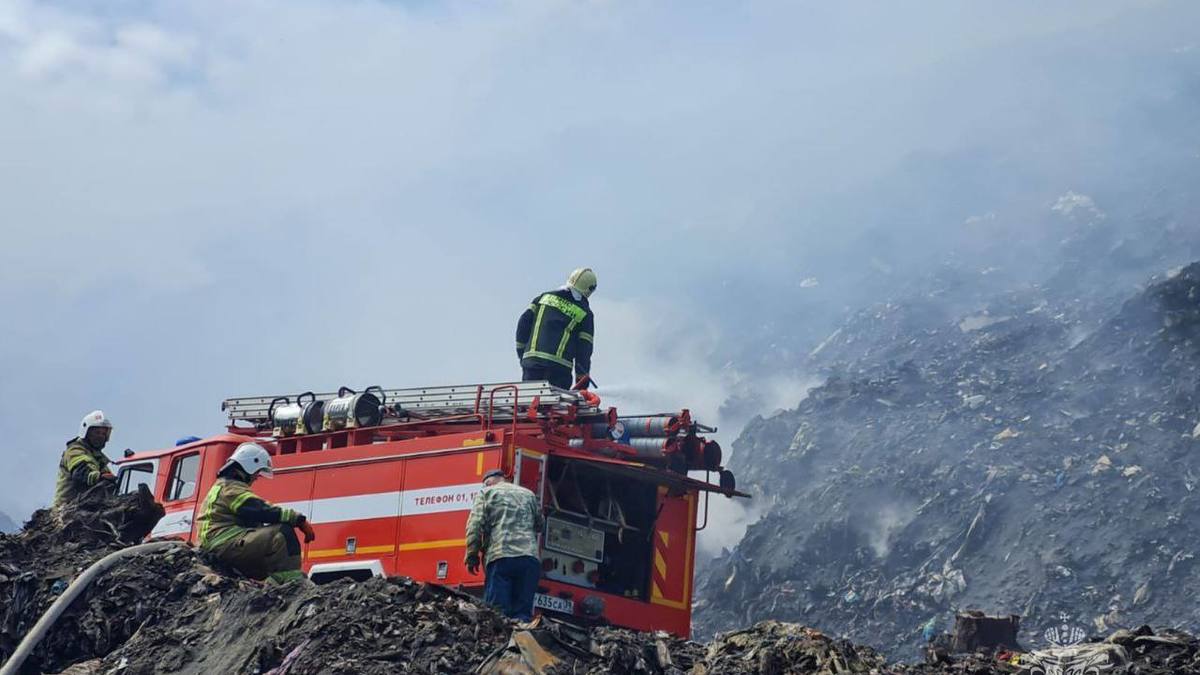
point(295, 419)
point(352, 409)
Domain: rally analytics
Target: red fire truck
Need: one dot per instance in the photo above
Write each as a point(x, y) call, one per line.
point(387, 479)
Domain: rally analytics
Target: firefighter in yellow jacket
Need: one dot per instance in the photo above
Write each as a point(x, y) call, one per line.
point(245, 531)
point(83, 465)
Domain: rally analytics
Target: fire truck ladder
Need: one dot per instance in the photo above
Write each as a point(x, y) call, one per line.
point(495, 400)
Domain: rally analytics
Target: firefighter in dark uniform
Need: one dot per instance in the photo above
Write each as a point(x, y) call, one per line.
point(554, 334)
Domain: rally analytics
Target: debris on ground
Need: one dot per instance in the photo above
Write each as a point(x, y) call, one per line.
point(169, 612)
point(1043, 464)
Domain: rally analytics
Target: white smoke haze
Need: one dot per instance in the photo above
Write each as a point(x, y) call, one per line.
point(661, 360)
point(209, 199)
point(884, 522)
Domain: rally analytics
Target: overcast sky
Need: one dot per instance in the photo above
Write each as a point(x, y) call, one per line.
point(219, 198)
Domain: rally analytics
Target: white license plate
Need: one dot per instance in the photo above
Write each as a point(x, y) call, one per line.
point(553, 604)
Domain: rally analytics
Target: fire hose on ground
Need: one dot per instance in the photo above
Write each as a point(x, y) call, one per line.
point(77, 587)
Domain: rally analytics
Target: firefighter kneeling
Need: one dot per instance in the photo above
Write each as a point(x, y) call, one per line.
point(246, 532)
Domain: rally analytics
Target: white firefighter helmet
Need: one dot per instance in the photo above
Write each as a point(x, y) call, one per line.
point(583, 280)
point(253, 458)
point(96, 418)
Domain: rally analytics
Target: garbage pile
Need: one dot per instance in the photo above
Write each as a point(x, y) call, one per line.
point(37, 564)
point(1038, 454)
point(170, 612)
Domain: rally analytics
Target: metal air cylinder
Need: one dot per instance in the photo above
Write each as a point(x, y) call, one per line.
point(652, 448)
point(648, 449)
point(351, 409)
point(651, 426)
point(285, 418)
point(293, 419)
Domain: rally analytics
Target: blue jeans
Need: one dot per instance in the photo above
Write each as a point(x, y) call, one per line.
point(510, 584)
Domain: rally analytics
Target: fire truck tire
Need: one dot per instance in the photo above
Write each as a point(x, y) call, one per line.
point(77, 587)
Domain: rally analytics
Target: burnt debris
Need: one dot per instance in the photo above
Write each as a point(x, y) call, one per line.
point(1034, 454)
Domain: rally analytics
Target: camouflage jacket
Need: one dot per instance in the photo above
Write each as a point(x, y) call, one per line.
point(504, 523)
point(79, 469)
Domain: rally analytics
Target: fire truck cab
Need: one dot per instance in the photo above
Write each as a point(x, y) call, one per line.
point(387, 479)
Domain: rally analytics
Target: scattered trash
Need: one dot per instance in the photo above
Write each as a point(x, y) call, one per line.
point(1008, 433)
point(1046, 455)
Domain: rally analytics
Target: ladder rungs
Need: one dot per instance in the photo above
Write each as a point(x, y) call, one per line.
point(444, 400)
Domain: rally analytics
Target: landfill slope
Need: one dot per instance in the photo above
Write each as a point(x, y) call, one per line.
point(1035, 454)
point(173, 611)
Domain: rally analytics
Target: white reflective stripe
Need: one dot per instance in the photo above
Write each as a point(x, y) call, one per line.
point(174, 522)
point(356, 507)
point(388, 504)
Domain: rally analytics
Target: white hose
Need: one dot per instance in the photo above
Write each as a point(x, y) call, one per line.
point(77, 587)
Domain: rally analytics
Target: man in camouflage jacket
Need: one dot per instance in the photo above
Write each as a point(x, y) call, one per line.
point(503, 526)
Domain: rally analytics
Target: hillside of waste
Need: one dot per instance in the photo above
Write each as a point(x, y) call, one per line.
point(1038, 454)
point(170, 612)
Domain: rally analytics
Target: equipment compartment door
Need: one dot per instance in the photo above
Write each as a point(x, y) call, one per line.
point(355, 512)
point(438, 494)
point(674, 548)
point(530, 472)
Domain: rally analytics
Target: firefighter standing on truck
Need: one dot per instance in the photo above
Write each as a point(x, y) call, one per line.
point(503, 526)
point(246, 532)
point(83, 464)
point(555, 333)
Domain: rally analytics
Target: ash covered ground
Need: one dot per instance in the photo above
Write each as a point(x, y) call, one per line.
point(170, 612)
point(1029, 448)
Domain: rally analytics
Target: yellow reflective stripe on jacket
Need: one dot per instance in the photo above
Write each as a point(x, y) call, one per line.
point(573, 311)
point(537, 328)
point(82, 459)
point(530, 353)
point(218, 520)
point(206, 513)
point(566, 337)
point(226, 535)
point(239, 500)
point(586, 337)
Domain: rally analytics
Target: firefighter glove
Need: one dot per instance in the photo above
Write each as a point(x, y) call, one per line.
point(306, 528)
